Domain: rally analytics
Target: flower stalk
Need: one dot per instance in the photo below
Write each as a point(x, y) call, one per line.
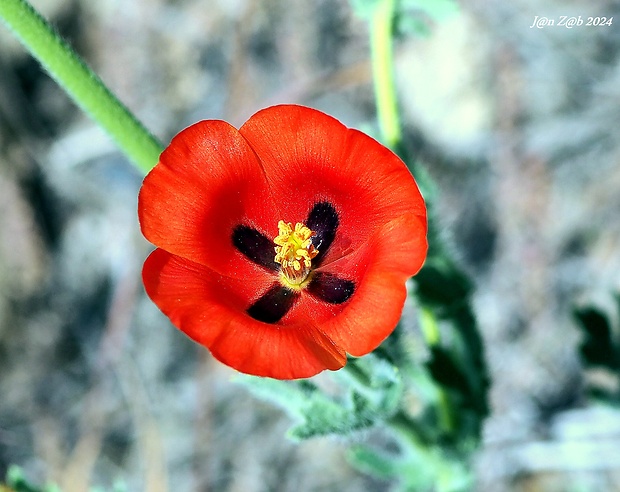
point(80, 82)
point(383, 71)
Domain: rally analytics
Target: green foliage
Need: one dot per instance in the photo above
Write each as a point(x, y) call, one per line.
point(377, 381)
point(419, 469)
point(437, 10)
point(373, 392)
point(456, 362)
point(411, 16)
point(438, 433)
point(434, 444)
point(364, 8)
point(450, 388)
point(414, 15)
point(17, 482)
point(600, 348)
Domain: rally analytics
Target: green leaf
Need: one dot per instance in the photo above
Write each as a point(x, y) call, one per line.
point(441, 284)
point(318, 414)
point(364, 8)
point(412, 16)
point(598, 347)
point(16, 481)
point(456, 364)
point(446, 371)
point(372, 389)
point(427, 469)
point(323, 416)
point(412, 25)
point(437, 10)
point(377, 380)
point(410, 13)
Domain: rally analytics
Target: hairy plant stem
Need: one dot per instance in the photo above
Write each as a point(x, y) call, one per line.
point(80, 82)
point(412, 436)
point(381, 53)
point(432, 336)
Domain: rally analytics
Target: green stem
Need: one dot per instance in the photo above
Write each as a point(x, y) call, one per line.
point(383, 71)
point(429, 326)
point(430, 330)
point(79, 81)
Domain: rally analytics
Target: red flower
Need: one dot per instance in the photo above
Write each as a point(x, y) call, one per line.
point(284, 245)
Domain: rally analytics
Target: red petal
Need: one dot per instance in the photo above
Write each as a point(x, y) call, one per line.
point(380, 268)
point(207, 181)
point(210, 309)
point(309, 156)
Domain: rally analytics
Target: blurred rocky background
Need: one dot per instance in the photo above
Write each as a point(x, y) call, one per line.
point(518, 125)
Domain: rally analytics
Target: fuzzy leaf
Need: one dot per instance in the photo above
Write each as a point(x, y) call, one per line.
point(374, 392)
point(318, 414)
point(323, 416)
point(378, 381)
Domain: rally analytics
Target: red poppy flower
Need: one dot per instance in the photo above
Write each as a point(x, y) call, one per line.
point(284, 245)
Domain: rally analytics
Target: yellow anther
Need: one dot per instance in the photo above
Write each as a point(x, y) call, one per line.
point(294, 252)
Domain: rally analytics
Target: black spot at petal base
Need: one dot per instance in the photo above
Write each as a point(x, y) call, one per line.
point(255, 246)
point(323, 220)
point(273, 304)
point(331, 288)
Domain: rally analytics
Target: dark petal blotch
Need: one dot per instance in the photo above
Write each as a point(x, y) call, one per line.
point(255, 246)
point(323, 220)
point(331, 288)
point(273, 304)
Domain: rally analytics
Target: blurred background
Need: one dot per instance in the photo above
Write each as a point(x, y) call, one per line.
point(519, 127)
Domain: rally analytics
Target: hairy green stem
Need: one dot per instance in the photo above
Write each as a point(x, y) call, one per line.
point(79, 81)
point(383, 71)
point(430, 330)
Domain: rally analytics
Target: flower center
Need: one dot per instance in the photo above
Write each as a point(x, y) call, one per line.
point(294, 252)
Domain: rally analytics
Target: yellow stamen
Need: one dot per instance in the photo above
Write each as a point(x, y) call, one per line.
point(294, 251)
